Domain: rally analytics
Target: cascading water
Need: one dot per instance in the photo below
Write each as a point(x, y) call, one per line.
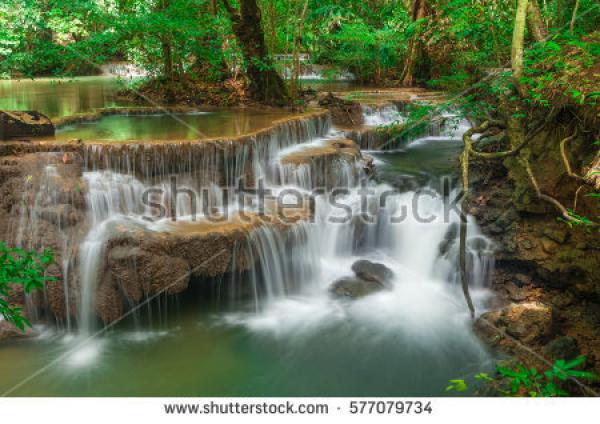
point(114, 197)
point(406, 340)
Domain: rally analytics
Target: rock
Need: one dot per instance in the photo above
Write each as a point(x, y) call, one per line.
point(142, 273)
point(24, 124)
point(507, 218)
point(371, 271)
point(558, 235)
point(344, 113)
point(562, 299)
point(354, 288)
point(522, 280)
point(142, 262)
point(515, 293)
point(9, 331)
point(549, 246)
point(527, 244)
point(563, 347)
point(63, 215)
point(530, 322)
point(324, 161)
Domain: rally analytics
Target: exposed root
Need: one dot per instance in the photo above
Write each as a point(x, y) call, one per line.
point(565, 158)
point(463, 233)
point(563, 211)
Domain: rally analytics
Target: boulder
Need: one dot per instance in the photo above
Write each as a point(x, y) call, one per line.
point(354, 288)
point(24, 124)
point(373, 272)
point(449, 239)
point(562, 347)
point(528, 323)
point(370, 277)
point(9, 331)
point(344, 113)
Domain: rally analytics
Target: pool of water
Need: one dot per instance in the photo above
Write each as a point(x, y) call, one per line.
point(179, 126)
point(422, 161)
point(58, 97)
point(297, 348)
point(62, 97)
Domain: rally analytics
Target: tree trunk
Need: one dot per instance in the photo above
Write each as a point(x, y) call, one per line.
point(167, 58)
point(517, 44)
point(419, 8)
point(535, 22)
point(574, 17)
point(265, 84)
point(296, 55)
point(166, 47)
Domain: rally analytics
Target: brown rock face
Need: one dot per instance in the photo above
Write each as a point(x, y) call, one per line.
point(142, 273)
point(528, 323)
point(42, 206)
point(344, 113)
point(9, 331)
point(24, 124)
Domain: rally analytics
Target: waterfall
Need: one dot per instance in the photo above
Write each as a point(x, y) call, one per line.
point(290, 262)
point(387, 114)
point(425, 302)
point(111, 197)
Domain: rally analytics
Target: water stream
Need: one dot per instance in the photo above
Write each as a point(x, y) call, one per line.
point(276, 330)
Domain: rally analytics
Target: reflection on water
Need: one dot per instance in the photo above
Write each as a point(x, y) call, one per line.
point(221, 123)
point(420, 161)
point(61, 97)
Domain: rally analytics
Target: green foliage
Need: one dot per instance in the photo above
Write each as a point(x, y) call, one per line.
point(23, 268)
point(528, 382)
point(351, 40)
point(456, 385)
point(576, 220)
point(560, 71)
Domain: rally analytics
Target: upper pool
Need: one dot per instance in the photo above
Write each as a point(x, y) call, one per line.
point(176, 126)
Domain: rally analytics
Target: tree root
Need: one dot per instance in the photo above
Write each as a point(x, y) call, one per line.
point(565, 158)
point(462, 261)
point(563, 211)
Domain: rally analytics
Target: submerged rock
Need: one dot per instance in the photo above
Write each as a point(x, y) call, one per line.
point(24, 124)
point(354, 288)
point(372, 271)
point(371, 277)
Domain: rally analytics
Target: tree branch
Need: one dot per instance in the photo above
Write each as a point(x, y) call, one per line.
point(230, 9)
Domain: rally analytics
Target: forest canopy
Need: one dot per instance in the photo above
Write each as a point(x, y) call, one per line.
point(449, 42)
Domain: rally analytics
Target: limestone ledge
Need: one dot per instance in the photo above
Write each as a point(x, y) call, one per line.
point(142, 262)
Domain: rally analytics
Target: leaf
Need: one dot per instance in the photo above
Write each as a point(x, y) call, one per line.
point(573, 363)
point(458, 385)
